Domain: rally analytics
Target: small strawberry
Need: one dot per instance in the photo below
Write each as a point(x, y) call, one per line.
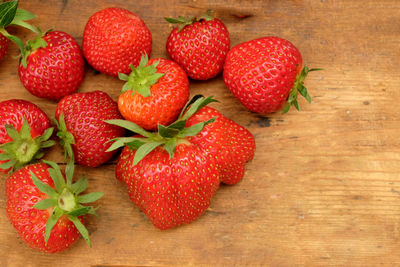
point(3, 45)
point(113, 39)
point(52, 66)
point(85, 136)
point(199, 46)
point(24, 132)
point(171, 175)
point(231, 150)
point(154, 93)
point(45, 208)
point(265, 73)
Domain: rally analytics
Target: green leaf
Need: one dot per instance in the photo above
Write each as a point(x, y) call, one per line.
point(296, 104)
point(82, 210)
point(25, 131)
point(56, 175)
point(126, 87)
point(8, 164)
point(4, 156)
point(123, 76)
point(195, 129)
point(179, 125)
point(91, 197)
point(286, 108)
point(81, 228)
point(47, 144)
point(69, 172)
point(207, 16)
point(7, 12)
point(45, 204)
point(79, 186)
point(12, 132)
point(170, 147)
point(167, 132)
point(18, 42)
point(53, 219)
point(24, 15)
point(131, 126)
point(196, 106)
point(47, 134)
point(43, 187)
point(174, 21)
point(144, 150)
point(134, 145)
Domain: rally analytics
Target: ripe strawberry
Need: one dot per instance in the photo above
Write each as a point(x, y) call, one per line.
point(114, 38)
point(81, 126)
point(154, 93)
point(199, 46)
point(45, 209)
point(263, 72)
point(53, 66)
point(3, 45)
point(231, 151)
point(172, 175)
point(24, 132)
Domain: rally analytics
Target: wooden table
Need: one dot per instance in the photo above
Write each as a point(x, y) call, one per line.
point(324, 186)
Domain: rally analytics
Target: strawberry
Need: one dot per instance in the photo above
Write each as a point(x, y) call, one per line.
point(172, 175)
point(52, 66)
point(232, 150)
point(266, 73)
point(3, 45)
point(24, 132)
point(81, 125)
point(114, 38)
point(199, 46)
point(45, 208)
point(154, 93)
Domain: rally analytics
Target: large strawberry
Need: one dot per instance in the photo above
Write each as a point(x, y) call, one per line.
point(199, 46)
point(24, 132)
point(52, 66)
point(266, 73)
point(81, 126)
point(154, 93)
point(45, 208)
point(230, 143)
point(114, 38)
point(171, 175)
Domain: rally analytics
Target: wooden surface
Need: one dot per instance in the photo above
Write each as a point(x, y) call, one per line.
point(324, 186)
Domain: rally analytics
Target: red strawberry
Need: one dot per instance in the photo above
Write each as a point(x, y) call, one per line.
point(46, 209)
point(53, 67)
point(172, 175)
point(3, 45)
point(199, 46)
point(24, 132)
point(261, 73)
point(82, 129)
point(113, 39)
point(154, 93)
point(232, 150)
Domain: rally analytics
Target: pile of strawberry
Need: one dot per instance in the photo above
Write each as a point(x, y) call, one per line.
point(175, 151)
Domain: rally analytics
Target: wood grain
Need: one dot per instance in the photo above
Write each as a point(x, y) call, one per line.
point(324, 186)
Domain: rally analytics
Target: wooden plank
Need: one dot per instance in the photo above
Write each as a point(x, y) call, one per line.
point(324, 186)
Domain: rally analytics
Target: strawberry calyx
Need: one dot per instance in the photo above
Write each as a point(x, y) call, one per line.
point(23, 148)
point(32, 46)
point(11, 15)
point(141, 78)
point(167, 137)
point(65, 198)
point(183, 22)
point(66, 138)
point(298, 87)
